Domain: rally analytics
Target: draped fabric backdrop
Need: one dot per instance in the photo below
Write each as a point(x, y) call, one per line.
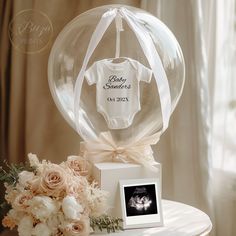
point(197, 150)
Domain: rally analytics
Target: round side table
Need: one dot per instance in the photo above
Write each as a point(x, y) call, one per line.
point(179, 220)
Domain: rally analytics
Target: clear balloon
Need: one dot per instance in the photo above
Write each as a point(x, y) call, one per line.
point(67, 56)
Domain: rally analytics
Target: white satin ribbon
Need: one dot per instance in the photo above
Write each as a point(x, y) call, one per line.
point(119, 28)
point(149, 50)
point(104, 149)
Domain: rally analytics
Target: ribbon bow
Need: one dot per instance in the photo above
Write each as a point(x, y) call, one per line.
point(105, 149)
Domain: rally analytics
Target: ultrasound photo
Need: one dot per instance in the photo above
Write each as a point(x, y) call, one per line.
point(140, 200)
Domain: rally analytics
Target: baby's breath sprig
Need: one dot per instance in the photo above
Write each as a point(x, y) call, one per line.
point(111, 224)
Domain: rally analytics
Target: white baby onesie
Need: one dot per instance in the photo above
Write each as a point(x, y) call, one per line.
point(117, 86)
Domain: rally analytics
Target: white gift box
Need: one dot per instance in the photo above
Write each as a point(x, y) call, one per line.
point(108, 174)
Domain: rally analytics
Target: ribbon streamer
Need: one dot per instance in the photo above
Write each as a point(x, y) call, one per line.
point(104, 149)
point(119, 28)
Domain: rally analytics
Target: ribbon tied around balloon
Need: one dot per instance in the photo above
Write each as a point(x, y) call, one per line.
point(105, 149)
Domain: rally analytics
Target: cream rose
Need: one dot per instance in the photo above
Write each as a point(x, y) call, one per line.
point(78, 228)
point(53, 181)
point(79, 165)
point(42, 207)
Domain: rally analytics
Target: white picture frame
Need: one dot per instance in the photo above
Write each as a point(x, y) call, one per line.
point(141, 203)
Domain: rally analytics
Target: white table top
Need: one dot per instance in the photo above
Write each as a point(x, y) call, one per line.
point(179, 220)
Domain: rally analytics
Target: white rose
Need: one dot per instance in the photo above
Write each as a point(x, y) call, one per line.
point(71, 208)
point(25, 177)
point(42, 207)
point(41, 229)
point(25, 226)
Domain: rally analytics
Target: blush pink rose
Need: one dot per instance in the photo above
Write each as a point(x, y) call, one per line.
point(79, 165)
point(53, 181)
point(21, 201)
point(78, 228)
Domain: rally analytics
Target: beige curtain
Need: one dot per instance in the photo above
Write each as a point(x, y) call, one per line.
point(30, 121)
point(183, 149)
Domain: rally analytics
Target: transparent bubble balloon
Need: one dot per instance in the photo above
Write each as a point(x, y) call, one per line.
point(67, 56)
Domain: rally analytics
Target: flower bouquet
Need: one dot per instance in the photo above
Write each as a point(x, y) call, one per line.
point(51, 200)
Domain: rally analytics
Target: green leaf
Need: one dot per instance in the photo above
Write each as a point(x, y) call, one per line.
point(9, 173)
